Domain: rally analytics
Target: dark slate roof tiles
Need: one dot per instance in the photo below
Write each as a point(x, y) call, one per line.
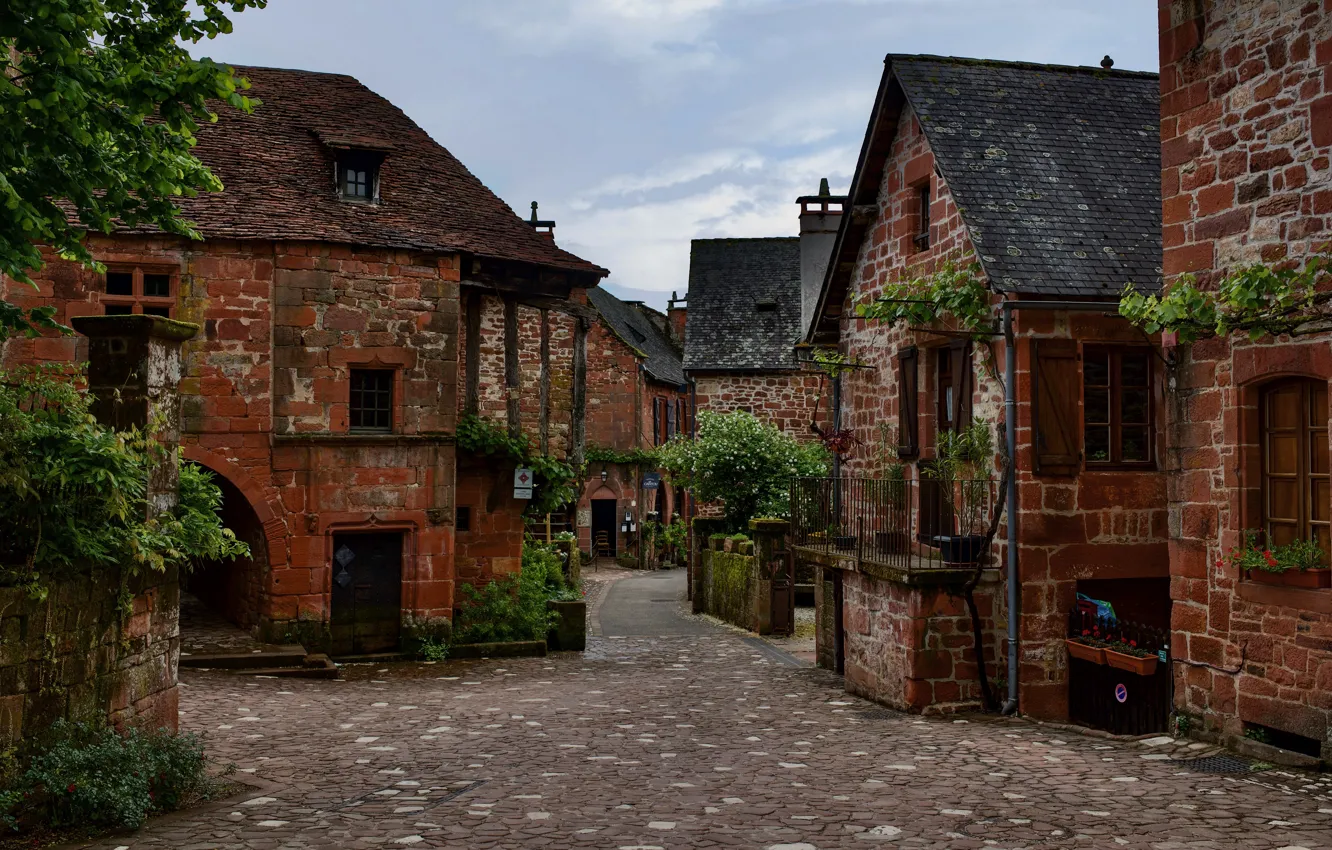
point(662, 361)
point(744, 304)
point(1056, 170)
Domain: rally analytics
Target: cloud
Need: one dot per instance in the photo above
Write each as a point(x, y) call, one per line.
point(674, 173)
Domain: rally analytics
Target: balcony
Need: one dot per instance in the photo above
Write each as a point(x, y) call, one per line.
point(913, 531)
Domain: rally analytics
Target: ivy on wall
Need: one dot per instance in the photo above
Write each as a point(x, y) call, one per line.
point(630, 457)
point(953, 292)
point(556, 481)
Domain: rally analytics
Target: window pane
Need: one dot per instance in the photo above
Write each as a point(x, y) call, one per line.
point(1133, 445)
point(119, 310)
point(1322, 537)
point(1283, 500)
point(1134, 407)
point(1321, 503)
point(157, 285)
point(1317, 405)
point(1098, 443)
point(1096, 369)
point(119, 283)
point(1318, 452)
point(1098, 407)
point(1133, 369)
point(1282, 533)
point(1283, 454)
point(371, 398)
point(1283, 408)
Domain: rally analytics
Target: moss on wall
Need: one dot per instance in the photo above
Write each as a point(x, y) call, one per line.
point(730, 580)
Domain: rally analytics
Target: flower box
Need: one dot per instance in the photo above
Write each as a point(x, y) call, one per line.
point(1084, 652)
point(1142, 665)
point(1310, 579)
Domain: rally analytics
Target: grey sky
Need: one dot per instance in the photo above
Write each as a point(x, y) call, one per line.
point(641, 124)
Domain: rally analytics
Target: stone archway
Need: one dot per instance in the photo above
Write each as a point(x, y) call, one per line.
point(231, 589)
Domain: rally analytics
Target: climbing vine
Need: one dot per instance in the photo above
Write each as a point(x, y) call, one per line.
point(1257, 300)
point(630, 457)
point(556, 481)
point(953, 292)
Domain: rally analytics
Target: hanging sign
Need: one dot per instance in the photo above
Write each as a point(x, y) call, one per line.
point(522, 483)
point(1121, 693)
point(651, 481)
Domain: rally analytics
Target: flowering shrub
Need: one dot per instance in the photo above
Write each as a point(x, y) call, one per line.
point(1255, 555)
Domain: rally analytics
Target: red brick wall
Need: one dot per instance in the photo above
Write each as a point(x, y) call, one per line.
point(265, 397)
point(788, 400)
point(1246, 145)
point(1097, 525)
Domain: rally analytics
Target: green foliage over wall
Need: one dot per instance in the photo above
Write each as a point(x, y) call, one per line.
point(555, 480)
point(72, 492)
point(513, 608)
point(743, 463)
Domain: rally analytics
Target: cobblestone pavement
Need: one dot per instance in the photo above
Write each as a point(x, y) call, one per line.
point(685, 742)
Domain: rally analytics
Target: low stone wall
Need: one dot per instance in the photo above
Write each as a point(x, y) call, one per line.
point(730, 583)
point(908, 644)
point(75, 656)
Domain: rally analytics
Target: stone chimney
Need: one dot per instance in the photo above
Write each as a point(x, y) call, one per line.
point(545, 228)
point(134, 377)
point(677, 310)
point(820, 216)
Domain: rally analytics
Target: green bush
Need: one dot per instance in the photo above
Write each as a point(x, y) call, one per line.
point(77, 774)
point(513, 608)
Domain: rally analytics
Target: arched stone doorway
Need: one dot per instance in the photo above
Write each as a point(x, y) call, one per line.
point(221, 594)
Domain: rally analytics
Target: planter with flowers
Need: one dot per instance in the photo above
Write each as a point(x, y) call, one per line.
point(1089, 646)
point(1300, 563)
point(1125, 655)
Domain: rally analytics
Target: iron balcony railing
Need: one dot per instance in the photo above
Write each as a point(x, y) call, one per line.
point(901, 524)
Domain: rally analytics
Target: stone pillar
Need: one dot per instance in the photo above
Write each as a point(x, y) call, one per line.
point(770, 558)
point(134, 377)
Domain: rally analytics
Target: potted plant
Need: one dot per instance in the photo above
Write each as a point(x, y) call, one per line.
point(1300, 563)
point(1125, 655)
point(893, 539)
point(1087, 647)
point(964, 468)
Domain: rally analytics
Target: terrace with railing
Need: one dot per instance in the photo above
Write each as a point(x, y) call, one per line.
point(891, 526)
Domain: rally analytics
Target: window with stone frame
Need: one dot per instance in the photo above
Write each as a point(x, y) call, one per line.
point(1296, 491)
point(1117, 423)
point(139, 290)
point(371, 401)
point(924, 197)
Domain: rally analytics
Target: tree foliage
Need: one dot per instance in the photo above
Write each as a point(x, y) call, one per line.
point(73, 492)
point(743, 463)
point(1256, 300)
point(953, 292)
point(99, 104)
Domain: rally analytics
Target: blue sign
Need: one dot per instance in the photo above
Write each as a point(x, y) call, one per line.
point(1121, 693)
point(651, 481)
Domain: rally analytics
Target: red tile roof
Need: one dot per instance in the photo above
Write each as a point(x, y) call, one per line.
point(277, 168)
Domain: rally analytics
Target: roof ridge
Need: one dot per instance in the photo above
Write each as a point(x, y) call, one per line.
point(1020, 64)
point(748, 239)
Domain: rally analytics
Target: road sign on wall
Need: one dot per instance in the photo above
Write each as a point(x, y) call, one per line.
point(522, 483)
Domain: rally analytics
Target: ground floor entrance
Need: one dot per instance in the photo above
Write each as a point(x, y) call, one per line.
point(366, 593)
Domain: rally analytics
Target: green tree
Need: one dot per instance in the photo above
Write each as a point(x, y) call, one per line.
point(99, 103)
point(743, 463)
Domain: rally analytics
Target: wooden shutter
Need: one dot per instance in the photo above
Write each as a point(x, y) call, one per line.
point(908, 427)
point(671, 421)
point(1057, 382)
point(656, 422)
point(960, 352)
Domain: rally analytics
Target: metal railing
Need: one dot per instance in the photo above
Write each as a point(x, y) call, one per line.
point(900, 524)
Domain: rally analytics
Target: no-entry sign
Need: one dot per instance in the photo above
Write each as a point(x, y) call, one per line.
point(1121, 693)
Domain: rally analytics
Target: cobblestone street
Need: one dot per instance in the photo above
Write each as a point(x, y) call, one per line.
point(685, 741)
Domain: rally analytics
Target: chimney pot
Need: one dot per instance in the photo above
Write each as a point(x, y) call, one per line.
point(1107, 63)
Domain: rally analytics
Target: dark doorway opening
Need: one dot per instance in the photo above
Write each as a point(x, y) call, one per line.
point(366, 597)
point(219, 606)
point(603, 527)
point(839, 623)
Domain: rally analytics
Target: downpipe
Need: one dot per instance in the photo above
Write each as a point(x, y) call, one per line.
point(1010, 705)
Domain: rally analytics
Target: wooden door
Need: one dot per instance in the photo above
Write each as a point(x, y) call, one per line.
point(366, 599)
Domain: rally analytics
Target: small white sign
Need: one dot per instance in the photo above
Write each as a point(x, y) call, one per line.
point(584, 517)
point(522, 483)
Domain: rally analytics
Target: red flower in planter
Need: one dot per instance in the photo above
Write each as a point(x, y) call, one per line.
point(70, 789)
point(1269, 557)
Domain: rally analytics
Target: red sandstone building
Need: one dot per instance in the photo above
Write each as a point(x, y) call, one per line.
point(1047, 178)
point(1246, 129)
point(357, 288)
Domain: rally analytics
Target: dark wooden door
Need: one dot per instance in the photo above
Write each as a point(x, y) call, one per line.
point(603, 520)
point(783, 593)
point(367, 593)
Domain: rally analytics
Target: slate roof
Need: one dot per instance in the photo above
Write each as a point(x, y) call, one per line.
point(729, 279)
point(277, 167)
point(661, 360)
point(1056, 170)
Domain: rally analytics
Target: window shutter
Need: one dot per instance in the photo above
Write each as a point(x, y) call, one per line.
point(960, 351)
point(670, 419)
point(656, 422)
point(908, 428)
point(1058, 387)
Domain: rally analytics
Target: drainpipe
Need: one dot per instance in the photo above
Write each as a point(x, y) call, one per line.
point(1010, 705)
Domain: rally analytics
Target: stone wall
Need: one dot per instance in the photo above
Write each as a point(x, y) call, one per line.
point(789, 400)
point(730, 585)
point(76, 656)
point(1247, 177)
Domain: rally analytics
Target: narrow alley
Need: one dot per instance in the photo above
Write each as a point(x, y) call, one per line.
point(670, 732)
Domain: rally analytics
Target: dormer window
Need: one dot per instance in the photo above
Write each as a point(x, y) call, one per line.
point(358, 176)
